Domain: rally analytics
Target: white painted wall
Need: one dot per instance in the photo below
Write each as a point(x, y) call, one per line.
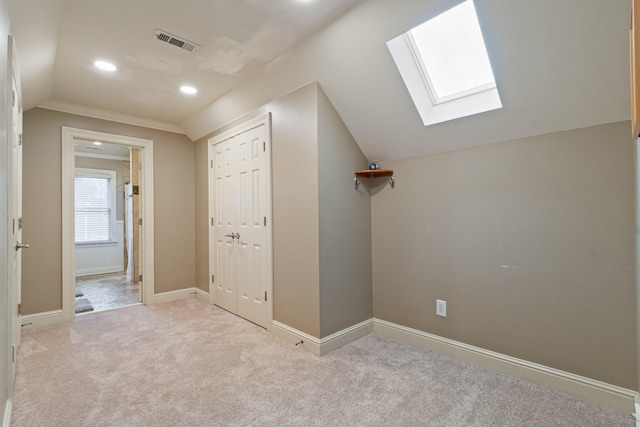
point(101, 258)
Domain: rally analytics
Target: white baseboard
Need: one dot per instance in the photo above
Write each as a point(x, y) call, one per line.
point(322, 346)
point(7, 414)
point(636, 414)
point(100, 270)
point(36, 320)
point(202, 295)
point(345, 336)
point(294, 336)
point(180, 294)
point(596, 391)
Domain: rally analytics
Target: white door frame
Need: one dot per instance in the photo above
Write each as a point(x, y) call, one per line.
point(265, 120)
point(68, 219)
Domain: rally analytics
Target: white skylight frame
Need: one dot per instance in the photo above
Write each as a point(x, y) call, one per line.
point(415, 73)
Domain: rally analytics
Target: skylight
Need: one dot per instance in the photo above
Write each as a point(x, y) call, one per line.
point(445, 65)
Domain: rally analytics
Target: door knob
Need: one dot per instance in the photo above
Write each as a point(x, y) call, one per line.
point(232, 235)
point(21, 245)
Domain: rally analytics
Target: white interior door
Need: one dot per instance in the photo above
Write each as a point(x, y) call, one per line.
point(15, 204)
point(224, 224)
point(251, 226)
point(240, 247)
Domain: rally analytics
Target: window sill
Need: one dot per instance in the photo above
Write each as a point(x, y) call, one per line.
point(96, 244)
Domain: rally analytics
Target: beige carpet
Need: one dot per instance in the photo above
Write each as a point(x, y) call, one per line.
point(191, 364)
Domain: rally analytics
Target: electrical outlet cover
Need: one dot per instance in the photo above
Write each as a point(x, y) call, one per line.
point(441, 308)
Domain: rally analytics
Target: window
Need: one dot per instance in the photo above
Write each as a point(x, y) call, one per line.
point(95, 211)
point(445, 66)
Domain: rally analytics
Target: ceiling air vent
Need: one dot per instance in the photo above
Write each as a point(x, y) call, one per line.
point(166, 37)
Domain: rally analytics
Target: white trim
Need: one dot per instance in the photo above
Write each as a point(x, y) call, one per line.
point(36, 320)
point(98, 113)
point(345, 336)
point(599, 392)
point(202, 295)
point(636, 414)
point(294, 336)
point(262, 120)
point(179, 295)
point(147, 209)
point(325, 345)
point(7, 413)
point(101, 270)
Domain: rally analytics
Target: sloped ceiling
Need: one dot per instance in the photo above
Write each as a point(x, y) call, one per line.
point(559, 64)
point(58, 41)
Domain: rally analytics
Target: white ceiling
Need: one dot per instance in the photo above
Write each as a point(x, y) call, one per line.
point(58, 41)
point(559, 64)
point(104, 150)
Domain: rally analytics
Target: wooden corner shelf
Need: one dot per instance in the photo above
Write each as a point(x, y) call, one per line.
point(376, 173)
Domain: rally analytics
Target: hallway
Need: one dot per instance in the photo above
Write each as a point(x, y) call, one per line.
point(104, 291)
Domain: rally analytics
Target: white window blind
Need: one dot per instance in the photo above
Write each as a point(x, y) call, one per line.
point(94, 205)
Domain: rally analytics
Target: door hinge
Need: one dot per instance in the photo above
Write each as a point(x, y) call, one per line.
point(211, 163)
point(265, 221)
point(19, 309)
point(264, 146)
point(140, 278)
point(265, 296)
point(14, 98)
point(13, 354)
point(20, 139)
point(20, 223)
point(211, 220)
point(213, 278)
point(14, 226)
point(139, 221)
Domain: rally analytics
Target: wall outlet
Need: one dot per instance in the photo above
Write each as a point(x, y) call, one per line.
point(441, 308)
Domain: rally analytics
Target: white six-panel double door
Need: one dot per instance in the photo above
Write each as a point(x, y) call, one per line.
point(241, 245)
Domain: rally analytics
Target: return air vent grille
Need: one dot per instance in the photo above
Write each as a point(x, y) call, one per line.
point(176, 41)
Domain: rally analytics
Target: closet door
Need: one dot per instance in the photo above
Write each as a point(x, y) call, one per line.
point(224, 224)
point(240, 250)
point(251, 216)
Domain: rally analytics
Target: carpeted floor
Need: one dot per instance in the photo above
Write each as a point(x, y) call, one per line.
point(187, 363)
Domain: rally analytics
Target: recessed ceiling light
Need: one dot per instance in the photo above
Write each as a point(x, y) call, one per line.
point(97, 143)
point(105, 66)
point(190, 90)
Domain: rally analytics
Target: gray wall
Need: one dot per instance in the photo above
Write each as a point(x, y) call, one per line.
point(5, 332)
point(530, 242)
point(345, 226)
point(321, 225)
point(296, 266)
point(294, 169)
point(174, 205)
point(112, 165)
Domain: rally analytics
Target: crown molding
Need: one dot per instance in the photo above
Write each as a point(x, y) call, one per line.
point(98, 113)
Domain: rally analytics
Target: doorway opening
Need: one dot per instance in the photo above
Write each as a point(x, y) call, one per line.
point(107, 221)
point(107, 233)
